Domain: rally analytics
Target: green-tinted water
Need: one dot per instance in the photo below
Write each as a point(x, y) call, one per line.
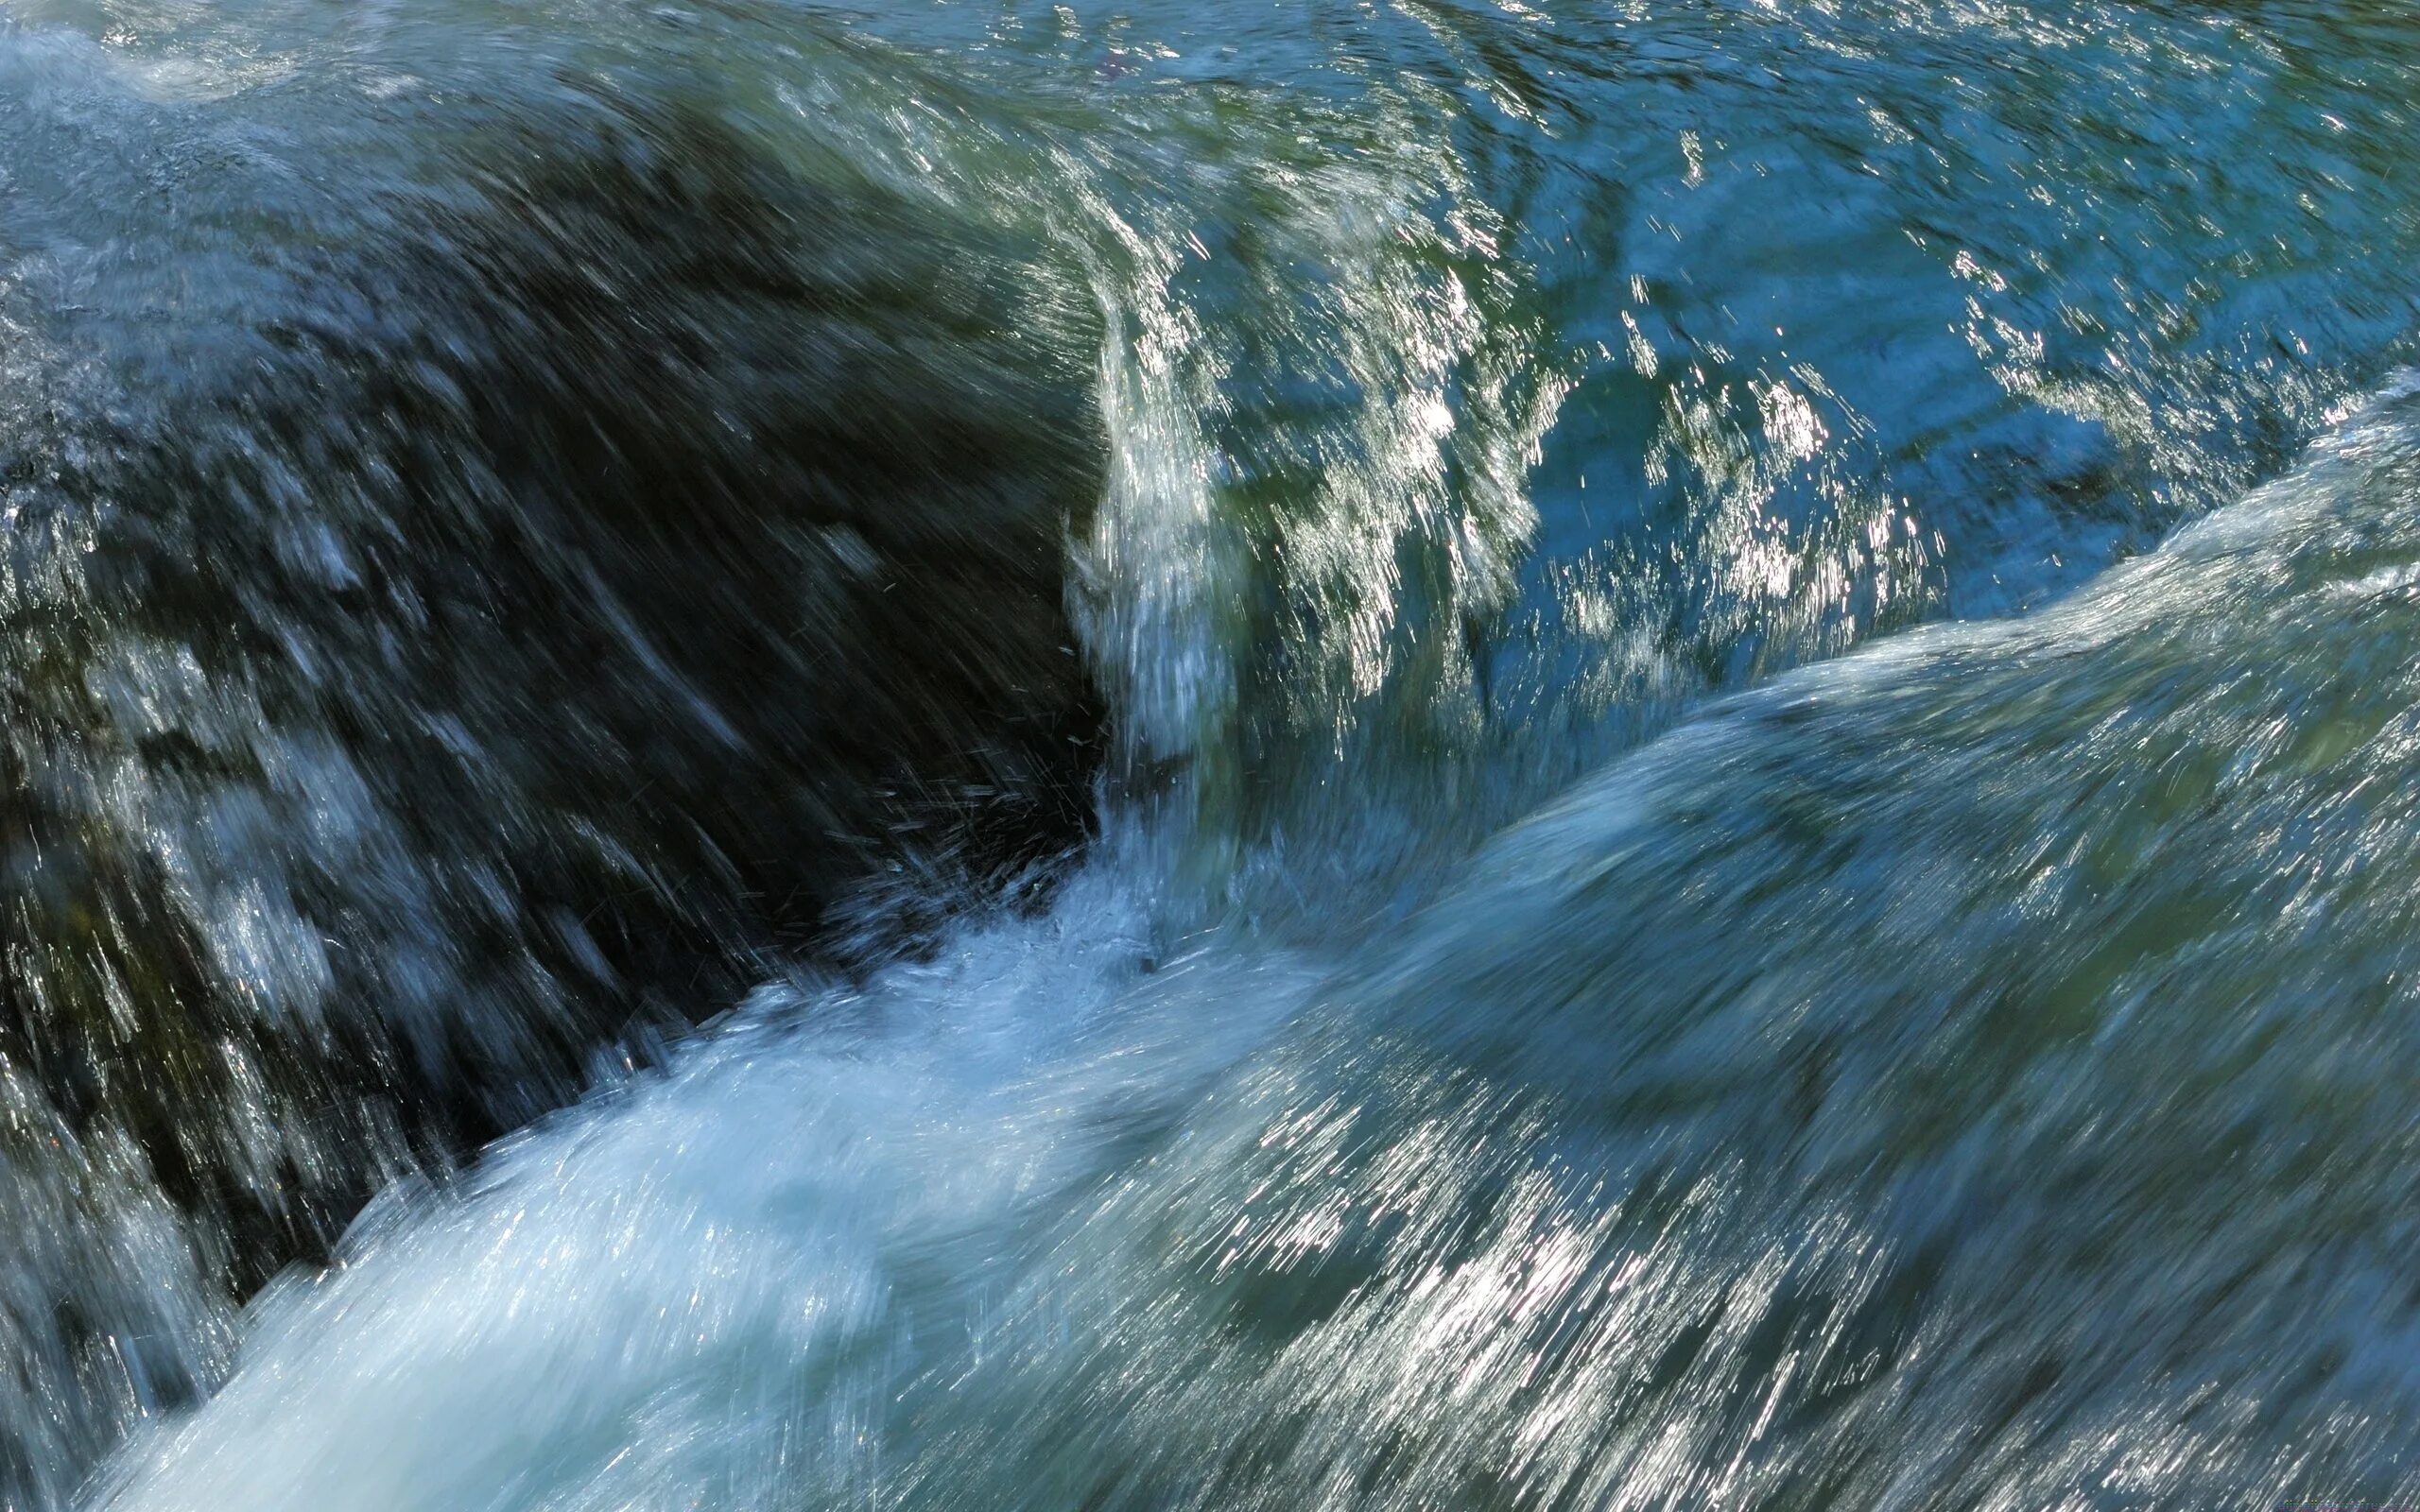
point(1648, 754)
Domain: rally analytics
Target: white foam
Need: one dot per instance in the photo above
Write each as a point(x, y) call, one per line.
point(680, 1295)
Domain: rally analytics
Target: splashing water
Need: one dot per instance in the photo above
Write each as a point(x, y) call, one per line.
point(1412, 756)
point(2000, 1167)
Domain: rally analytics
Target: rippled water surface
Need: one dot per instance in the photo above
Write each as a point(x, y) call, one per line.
point(1421, 755)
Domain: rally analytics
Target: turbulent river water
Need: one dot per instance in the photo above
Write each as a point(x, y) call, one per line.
point(1412, 754)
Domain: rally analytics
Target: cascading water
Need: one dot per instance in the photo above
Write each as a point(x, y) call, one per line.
point(1997, 1171)
point(1429, 755)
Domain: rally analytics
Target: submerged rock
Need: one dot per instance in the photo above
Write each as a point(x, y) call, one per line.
point(564, 592)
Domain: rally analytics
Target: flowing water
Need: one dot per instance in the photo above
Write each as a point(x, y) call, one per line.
point(1399, 755)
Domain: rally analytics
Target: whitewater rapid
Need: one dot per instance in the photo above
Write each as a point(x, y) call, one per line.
point(1407, 755)
point(1620, 1217)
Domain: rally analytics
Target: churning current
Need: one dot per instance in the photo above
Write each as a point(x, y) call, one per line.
point(1433, 755)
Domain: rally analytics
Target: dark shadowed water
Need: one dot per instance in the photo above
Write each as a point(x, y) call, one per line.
point(1416, 756)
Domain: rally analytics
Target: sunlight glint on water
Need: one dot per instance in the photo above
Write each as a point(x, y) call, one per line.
point(1218, 743)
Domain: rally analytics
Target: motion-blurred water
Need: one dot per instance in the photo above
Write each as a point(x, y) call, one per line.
point(1430, 755)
